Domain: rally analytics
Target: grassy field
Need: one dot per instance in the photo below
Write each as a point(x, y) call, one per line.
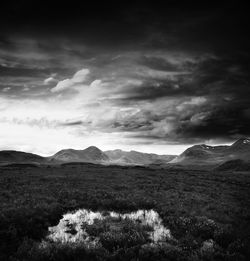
point(34, 198)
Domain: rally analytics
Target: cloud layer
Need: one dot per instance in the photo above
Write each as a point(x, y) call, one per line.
point(139, 77)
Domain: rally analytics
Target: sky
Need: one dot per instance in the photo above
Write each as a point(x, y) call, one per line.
point(131, 75)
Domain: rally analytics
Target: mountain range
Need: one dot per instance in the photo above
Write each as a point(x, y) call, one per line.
point(91, 154)
point(195, 155)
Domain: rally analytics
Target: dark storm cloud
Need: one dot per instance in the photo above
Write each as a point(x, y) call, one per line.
point(221, 82)
point(28, 72)
point(182, 67)
point(152, 90)
point(227, 77)
point(214, 119)
point(144, 23)
point(228, 123)
point(158, 63)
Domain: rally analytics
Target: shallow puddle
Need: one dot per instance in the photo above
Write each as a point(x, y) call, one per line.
point(73, 227)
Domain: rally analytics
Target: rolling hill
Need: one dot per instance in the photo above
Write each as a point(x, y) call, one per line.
point(135, 157)
point(91, 154)
point(12, 156)
point(204, 154)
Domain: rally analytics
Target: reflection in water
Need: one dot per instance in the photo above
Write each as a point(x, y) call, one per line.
point(71, 226)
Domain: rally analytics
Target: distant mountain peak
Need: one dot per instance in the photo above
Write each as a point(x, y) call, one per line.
point(203, 146)
point(92, 148)
point(243, 141)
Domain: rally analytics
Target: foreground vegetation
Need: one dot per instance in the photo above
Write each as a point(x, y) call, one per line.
point(207, 212)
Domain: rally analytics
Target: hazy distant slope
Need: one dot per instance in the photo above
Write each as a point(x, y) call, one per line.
point(12, 156)
point(135, 157)
point(204, 154)
point(91, 154)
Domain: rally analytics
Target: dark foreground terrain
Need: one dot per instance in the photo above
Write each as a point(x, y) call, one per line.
point(207, 212)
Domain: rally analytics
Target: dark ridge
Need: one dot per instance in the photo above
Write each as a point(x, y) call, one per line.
point(78, 164)
point(235, 165)
point(21, 165)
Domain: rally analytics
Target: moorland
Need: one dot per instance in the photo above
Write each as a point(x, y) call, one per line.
point(207, 211)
